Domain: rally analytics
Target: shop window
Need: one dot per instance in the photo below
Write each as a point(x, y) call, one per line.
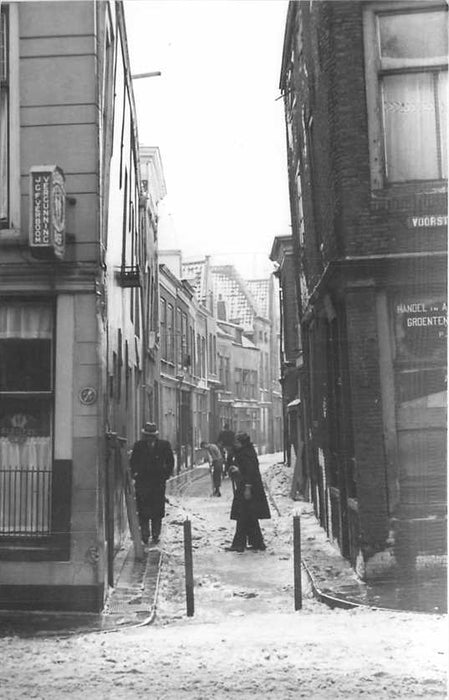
point(26, 418)
point(406, 52)
point(420, 349)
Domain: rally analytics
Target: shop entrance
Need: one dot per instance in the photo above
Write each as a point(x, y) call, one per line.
point(421, 422)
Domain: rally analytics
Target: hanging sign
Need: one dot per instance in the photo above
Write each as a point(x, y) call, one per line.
point(47, 210)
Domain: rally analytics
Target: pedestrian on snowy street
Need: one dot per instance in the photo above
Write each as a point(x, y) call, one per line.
point(215, 460)
point(225, 442)
point(250, 502)
point(152, 464)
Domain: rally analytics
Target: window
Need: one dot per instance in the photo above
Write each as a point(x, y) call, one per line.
point(4, 121)
point(203, 356)
point(179, 348)
point(193, 351)
point(238, 380)
point(198, 355)
point(185, 341)
point(170, 333)
point(26, 417)
point(163, 325)
point(407, 86)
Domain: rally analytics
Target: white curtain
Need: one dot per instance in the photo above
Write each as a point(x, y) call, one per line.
point(410, 127)
point(31, 453)
point(25, 321)
point(442, 100)
point(25, 461)
point(25, 486)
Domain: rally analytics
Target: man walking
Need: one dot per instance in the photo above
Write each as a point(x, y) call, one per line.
point(216, 465)
point(151, 464)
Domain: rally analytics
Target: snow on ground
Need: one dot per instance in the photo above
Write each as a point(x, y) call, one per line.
point(245, 639)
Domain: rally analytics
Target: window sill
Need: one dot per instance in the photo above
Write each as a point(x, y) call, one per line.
point(419, 196)
point(11, 236)
point(51, 548)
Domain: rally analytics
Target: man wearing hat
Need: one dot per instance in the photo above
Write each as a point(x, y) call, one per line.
point(151, 465)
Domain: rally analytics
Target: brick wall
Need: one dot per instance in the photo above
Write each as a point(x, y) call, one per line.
point(367, 416)
point(342, 217)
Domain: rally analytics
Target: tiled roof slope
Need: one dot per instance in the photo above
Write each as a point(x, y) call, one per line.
point(228, 285)
point(194, 272)
point(244, 299)
point(260, 290)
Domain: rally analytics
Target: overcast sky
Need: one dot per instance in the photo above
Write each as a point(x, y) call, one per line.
point(215, 116)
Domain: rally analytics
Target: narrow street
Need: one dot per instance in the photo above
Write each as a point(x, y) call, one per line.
point(245, 640)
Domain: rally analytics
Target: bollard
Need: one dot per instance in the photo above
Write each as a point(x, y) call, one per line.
point(188, 564)
point(297, 561)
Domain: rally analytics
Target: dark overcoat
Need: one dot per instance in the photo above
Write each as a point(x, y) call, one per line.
point(248, 465)
point(151, 466)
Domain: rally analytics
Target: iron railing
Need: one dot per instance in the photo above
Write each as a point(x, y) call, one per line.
point(25, 502)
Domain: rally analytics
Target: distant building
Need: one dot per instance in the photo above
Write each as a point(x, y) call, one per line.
point(250, 312)
point(291, 362)
point(365, 89)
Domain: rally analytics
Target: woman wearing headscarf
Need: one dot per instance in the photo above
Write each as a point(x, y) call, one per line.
point(250, 502)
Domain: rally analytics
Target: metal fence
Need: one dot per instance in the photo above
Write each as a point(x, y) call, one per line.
point(25, 502)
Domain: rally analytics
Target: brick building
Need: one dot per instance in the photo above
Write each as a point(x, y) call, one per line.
point(365, 89)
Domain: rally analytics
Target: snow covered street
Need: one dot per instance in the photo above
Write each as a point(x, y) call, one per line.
point(245, 639)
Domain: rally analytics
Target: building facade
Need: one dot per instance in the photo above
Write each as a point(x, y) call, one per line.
point(75, 296)
point(365, 89)
point(291, 362)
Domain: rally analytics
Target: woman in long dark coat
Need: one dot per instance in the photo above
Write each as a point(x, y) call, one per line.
point(250, 502)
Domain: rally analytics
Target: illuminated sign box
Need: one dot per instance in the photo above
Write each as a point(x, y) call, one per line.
point(47, 211)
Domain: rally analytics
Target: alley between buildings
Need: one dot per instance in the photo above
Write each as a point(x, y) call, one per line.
point(244, 640)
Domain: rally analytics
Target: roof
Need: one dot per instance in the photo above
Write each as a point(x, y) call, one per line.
point(194, 272)
point(230, 287)
point(246, 343)
point(244, 300)
point(260, 291)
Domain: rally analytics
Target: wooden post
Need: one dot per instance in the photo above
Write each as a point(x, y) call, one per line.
point(188, 563)
point(297, 561)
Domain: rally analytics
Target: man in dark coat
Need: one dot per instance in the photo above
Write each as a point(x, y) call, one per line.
point(152, 464)
point(250, 502)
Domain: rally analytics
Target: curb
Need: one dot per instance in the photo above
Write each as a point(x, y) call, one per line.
point(332, 601)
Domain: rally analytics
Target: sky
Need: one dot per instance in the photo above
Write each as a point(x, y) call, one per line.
point(216, 116)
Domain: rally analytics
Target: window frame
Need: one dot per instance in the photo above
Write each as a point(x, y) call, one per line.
point(55, 544)
point(12, 229)
point(373, 71)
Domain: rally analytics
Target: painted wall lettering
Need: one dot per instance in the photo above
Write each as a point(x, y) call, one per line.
point(427, 221)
